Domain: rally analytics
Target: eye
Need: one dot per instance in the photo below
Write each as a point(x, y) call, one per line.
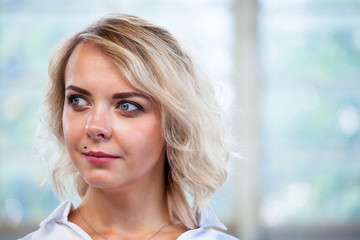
point(77, 100)
point(126, 106)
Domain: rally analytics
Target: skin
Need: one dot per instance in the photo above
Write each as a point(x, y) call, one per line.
point(126, 198)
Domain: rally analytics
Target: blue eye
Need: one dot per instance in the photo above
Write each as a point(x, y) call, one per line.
point(128, 107)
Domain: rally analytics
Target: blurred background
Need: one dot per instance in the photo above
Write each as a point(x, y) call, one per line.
point(288, 78)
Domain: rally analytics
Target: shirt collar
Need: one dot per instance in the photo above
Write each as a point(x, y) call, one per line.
point(60, 214)
point(209, 219)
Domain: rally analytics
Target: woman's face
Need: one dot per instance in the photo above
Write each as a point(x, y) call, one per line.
point(112, 131)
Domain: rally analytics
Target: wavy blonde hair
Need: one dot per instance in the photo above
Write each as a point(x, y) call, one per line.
point(154, 63)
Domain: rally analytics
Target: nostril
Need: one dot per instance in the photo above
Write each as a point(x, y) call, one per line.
point(98, 133)
point(101, 136)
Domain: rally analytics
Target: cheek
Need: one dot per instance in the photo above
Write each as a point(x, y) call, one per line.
point(152, 137)
point(67, 129)
point(143, 138)
point(71, 128)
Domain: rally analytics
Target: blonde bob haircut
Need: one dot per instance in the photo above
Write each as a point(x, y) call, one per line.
point(153, 62)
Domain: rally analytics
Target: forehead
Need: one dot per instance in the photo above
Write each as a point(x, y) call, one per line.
point(86, 56)
point(88, 65)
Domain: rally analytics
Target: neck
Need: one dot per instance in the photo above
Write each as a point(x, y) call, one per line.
point(136, 210)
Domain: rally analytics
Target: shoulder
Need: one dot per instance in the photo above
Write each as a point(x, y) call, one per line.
point(56, 226)
point(207, 230)
point(205, 234)
point(53, 231)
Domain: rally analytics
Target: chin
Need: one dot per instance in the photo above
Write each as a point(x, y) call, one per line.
point(99, 180)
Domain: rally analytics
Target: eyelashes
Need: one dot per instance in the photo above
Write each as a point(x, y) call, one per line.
point(78, 102)
point(126, 105)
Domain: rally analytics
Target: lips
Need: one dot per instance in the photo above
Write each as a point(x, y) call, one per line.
point(100, 157)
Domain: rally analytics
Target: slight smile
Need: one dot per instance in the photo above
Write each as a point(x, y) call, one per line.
point(100, 157)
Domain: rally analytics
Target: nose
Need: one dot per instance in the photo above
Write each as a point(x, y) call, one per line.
point(98, 127)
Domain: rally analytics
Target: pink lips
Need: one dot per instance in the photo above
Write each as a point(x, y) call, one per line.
point(100, 157)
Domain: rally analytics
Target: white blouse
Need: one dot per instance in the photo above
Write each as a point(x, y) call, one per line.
point(57, 227)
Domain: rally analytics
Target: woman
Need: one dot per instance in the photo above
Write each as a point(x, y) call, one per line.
point(137, 129)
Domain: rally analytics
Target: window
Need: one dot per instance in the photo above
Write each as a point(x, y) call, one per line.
point(309, 56)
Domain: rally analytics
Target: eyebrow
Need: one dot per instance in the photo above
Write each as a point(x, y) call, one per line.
point(77, 89)
point(128, 95)
point(114, 96)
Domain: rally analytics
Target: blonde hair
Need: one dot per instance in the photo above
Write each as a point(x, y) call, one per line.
point(154, 63)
